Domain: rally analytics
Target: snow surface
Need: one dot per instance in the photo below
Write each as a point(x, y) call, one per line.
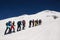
point(48, 30)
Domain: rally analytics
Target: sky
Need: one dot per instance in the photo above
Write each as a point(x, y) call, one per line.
point(12, 8)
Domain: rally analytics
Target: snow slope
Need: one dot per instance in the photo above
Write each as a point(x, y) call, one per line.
point(48, 30)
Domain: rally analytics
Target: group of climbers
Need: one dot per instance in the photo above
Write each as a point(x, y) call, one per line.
point(19, 24)
point(33, 23)
point(10, 26)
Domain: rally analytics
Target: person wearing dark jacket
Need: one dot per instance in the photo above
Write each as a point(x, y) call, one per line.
point(31, 23)
point(40, 22)
point(19, 26)
point(8, 26)
point(23, 24)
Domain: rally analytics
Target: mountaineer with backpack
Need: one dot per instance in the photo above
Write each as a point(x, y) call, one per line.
point(12, 26)
point(19, 26)
point(23, 24)
point(8, 28)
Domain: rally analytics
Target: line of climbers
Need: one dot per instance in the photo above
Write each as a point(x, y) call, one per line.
point(33, 23)
point(10, 26)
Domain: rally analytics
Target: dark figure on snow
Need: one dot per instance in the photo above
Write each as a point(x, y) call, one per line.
point(31, 23)
point(19, 26)
point(40, 22)
point(8, 28)
point(23, 24)
point(12, 26)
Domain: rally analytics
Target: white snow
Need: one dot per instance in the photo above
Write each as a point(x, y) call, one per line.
point(48, 30)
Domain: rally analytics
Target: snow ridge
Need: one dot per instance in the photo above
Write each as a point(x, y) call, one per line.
point(48, 30)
